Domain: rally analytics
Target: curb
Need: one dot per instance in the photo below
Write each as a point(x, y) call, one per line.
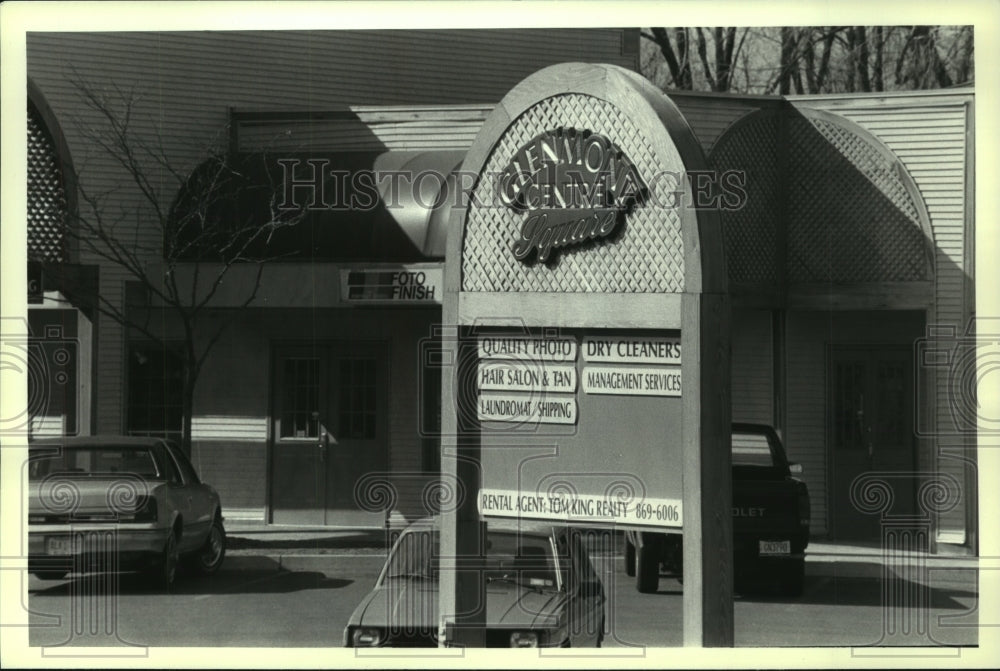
point(822, 566)
point(277, 562)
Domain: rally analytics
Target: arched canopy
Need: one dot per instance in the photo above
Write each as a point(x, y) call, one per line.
point(51, 184)
point(827, 203)
point(351, 206)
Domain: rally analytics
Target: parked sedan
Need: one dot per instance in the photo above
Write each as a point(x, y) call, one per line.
point(102, 503)
point(541, 591)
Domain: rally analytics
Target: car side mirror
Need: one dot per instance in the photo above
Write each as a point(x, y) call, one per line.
point(795, 469)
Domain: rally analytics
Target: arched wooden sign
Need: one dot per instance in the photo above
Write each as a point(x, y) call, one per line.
point(586, 281)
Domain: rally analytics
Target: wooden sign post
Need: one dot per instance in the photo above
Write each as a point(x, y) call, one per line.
point(590, 351)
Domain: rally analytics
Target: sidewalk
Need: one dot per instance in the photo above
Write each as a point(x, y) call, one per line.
point(257, 538)
point(823, 558)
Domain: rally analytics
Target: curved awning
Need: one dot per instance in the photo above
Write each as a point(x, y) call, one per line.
point(351, 206)
point(827, 204)
point(427, 190)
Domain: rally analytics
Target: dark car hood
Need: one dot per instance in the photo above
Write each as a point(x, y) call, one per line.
point(401, 603)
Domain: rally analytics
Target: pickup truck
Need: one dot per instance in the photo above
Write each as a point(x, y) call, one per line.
point(770, 522)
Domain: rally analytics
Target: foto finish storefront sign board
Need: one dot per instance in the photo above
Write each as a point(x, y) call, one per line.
point(590, 352)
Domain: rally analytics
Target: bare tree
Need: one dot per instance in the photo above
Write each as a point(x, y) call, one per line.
point(679, 63)
point(919, 65)
point(879, 50)
point(814, 59)
point(788, 64)
point(961, 54)
point(162, 227)
point(717, 70)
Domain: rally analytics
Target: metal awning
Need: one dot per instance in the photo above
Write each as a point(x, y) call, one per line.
point(422, 203)
point(398, 213)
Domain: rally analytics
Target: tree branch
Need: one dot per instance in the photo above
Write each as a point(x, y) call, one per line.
point(703, 54)
point(662, 39)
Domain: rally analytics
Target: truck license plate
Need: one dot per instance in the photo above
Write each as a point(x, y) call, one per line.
point(775, 547)
point(60, 545)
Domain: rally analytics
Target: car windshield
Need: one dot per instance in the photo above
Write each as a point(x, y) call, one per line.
point(510, 558)
point(414, 556)
point(91, 460)
point(751, 449)
point(520, 558)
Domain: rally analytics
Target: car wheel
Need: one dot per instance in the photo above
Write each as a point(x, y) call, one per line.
point(49, 575)
point(165, 569)
point(208, 559)
point(629, 558)
point(647, 564)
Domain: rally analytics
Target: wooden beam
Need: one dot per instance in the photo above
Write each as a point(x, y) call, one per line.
point(560, 310)
point(757, 297)
point(861, 296)
point(708, 521)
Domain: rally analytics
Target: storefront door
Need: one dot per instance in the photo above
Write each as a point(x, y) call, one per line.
point(870, 432)
point(329, 432)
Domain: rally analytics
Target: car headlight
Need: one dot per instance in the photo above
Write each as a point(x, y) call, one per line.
point(366, 637)
point(524, 639)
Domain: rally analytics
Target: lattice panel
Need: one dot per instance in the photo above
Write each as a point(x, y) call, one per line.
point(46, 195)
point(851, 218)
point(647, 256)
point(750, 232)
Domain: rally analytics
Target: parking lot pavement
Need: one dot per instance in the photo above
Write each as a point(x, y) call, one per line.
point(823, 559)
point(846, 599)
point(281, 587)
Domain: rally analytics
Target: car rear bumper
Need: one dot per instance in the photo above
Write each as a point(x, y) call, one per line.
point(80, 547)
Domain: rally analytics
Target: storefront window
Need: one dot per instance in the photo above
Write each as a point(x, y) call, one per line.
point(300, 409)
point(155, 390)
point(357, 398)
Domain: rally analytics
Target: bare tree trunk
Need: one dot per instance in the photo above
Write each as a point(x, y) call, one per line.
point(862, 40)
point(724, 57)
point(796, 71)
point(964, 61)
point(808, 60)
point(901, 76)
point(680, 70)
point(684, 56)
point(852, 60)
point(190, 380)
point(938, 66)
point(879, 48)
point(924, 67)
point(787, 57)
point(824, 60)
point(703, 55)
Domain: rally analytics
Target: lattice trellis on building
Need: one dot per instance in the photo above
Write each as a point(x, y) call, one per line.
point(840, 197)
point(750, 232)
point(850, 215)
point(47, 204)
point(647, 257)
